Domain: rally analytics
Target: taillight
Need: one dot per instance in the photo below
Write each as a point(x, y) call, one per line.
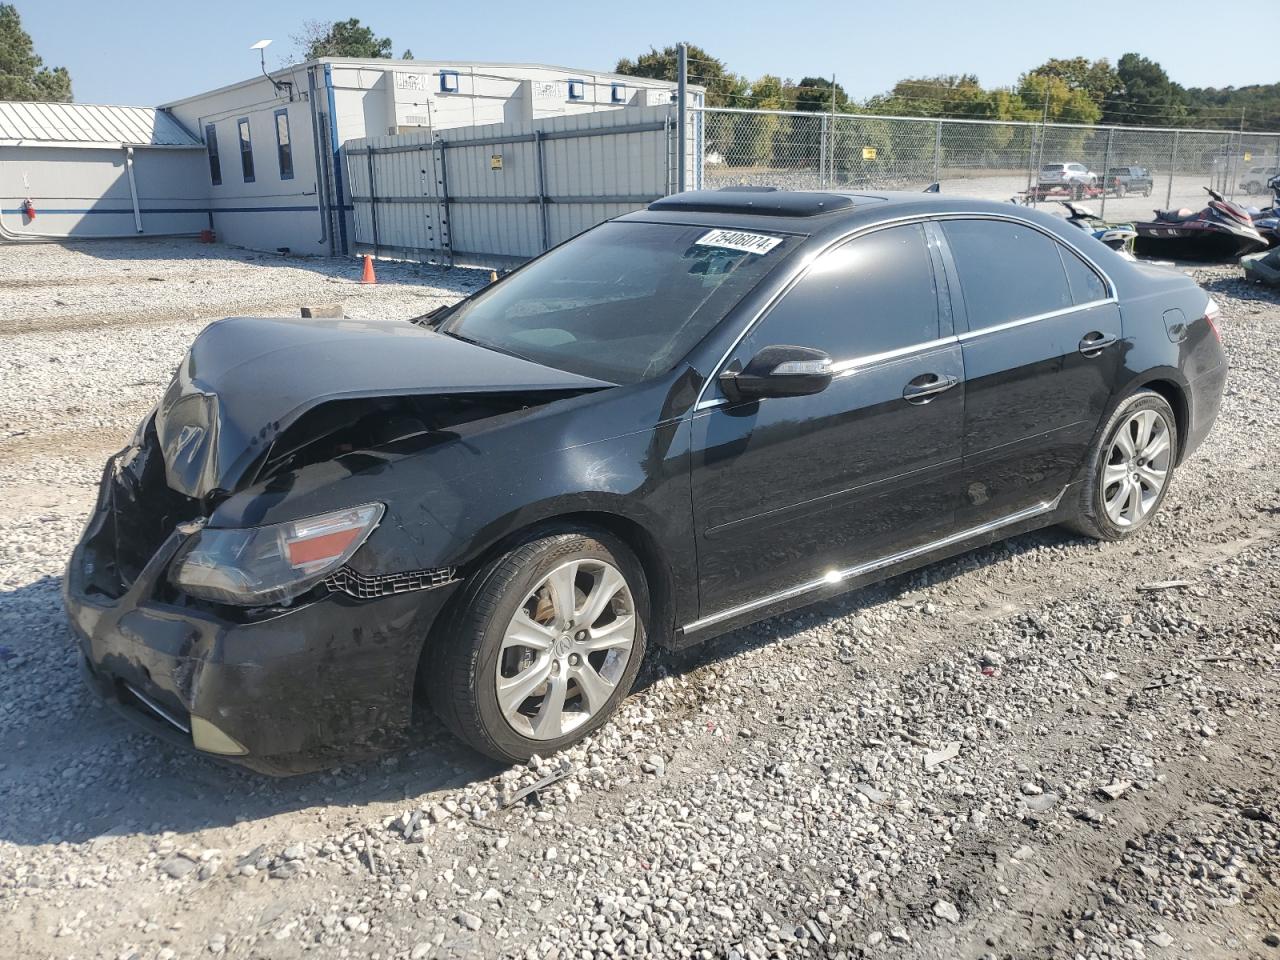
point(1212, 314)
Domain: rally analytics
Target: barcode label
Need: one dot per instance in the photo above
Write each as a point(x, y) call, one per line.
point(739, 240)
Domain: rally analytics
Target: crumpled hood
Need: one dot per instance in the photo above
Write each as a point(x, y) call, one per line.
point(247, 379)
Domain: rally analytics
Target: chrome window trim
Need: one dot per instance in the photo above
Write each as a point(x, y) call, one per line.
point(834, 577)
point(803, 267)
point(1010, 324)
point(843, 368)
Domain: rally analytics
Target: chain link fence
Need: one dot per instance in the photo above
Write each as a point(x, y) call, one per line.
point(993, 160)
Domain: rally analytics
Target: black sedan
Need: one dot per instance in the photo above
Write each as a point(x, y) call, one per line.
point(686, 419)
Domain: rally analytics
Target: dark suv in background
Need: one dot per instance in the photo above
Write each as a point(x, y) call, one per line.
point(695, 416)
point(1126, 180)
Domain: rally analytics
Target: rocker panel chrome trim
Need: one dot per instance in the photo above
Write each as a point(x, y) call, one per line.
point(838, 576)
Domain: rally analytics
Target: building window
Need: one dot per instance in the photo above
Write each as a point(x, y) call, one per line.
point(284, 148)
point(618, 93)
point(577, 89)
point(448, 81)
point(215, 164)
point(246, 149)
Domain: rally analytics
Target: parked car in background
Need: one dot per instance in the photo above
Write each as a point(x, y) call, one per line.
point(1254, 180)
point(1066, 174)
point(1125, 180)
point(679, 422)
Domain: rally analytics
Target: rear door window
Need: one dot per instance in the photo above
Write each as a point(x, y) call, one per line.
point(1086, 285)
point(871, 295)
point(1008, 271)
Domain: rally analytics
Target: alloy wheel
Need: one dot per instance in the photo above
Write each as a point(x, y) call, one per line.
point(1136, 468)
point(565, 649)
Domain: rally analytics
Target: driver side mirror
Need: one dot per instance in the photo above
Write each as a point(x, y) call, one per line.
point(779, 371)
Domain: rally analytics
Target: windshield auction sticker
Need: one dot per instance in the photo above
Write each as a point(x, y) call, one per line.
point(758, 243)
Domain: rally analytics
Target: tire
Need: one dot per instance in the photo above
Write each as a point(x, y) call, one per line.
point(1253, 187)
point(477, 652)
point(1104, 511)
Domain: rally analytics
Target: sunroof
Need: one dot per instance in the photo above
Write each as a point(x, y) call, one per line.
point(761, 202)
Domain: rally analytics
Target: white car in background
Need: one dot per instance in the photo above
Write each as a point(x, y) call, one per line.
point(1254, 180)
point(1066, 174)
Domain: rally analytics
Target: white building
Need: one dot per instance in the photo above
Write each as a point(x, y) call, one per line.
point(76, 169)
point(276, 177)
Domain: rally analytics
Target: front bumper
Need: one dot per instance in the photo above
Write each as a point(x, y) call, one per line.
point(283, 692)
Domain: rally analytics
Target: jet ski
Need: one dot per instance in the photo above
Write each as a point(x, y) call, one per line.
point(1267, 222)
point(1117, 236)
point(1221, 231)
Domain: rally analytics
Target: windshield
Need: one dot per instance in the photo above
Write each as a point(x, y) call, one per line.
point(622, 302)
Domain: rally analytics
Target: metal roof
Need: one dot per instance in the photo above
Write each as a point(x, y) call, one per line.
point(90, 125)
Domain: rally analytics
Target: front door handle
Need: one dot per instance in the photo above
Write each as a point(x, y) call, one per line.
point(927, 386)
point(1092, 344)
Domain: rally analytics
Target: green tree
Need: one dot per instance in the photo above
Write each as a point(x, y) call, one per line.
point(1058, 100)
point(1257, 104)
point(705, 71)
point(950, 95)
point(1098, 78)
point(814, 93)
point(1145, 95)
point(344, 38)
point(23, 75)
point(754, 139)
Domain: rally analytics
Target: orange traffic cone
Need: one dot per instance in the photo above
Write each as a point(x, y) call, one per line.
point(368, 276)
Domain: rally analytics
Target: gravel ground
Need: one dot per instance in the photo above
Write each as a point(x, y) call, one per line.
point(1016, 753)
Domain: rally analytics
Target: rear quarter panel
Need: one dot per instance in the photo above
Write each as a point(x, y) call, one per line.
point(1155, 350)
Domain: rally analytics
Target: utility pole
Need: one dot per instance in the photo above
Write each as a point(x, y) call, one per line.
point(831, 134)
point(682, 108)
point(1044, 129)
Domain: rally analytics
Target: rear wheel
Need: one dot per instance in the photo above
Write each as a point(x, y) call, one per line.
point(1130, 468)
point(545, 644)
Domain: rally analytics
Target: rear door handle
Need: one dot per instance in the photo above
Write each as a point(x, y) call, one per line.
point(927, 386)
point(1094, 343)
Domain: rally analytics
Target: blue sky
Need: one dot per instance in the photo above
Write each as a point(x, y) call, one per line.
point(147, 52)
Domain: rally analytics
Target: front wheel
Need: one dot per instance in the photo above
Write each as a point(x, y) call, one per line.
point(545, 643)
point(1130, 469)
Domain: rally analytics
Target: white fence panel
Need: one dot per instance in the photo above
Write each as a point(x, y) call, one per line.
point(499, 194)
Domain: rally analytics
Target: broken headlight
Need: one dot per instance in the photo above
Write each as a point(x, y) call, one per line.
point(268, 565)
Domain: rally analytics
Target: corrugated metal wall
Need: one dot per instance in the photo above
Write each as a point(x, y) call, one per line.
point(498, 194)
point(85, 191)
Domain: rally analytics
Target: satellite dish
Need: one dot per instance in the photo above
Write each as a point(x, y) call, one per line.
point(261, 47)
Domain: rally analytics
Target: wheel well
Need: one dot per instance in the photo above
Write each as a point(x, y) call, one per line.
point(657, 570)
point(1176, 399)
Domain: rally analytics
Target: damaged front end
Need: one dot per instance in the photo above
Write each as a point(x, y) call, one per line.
point(288, 641)
point(285, 685)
